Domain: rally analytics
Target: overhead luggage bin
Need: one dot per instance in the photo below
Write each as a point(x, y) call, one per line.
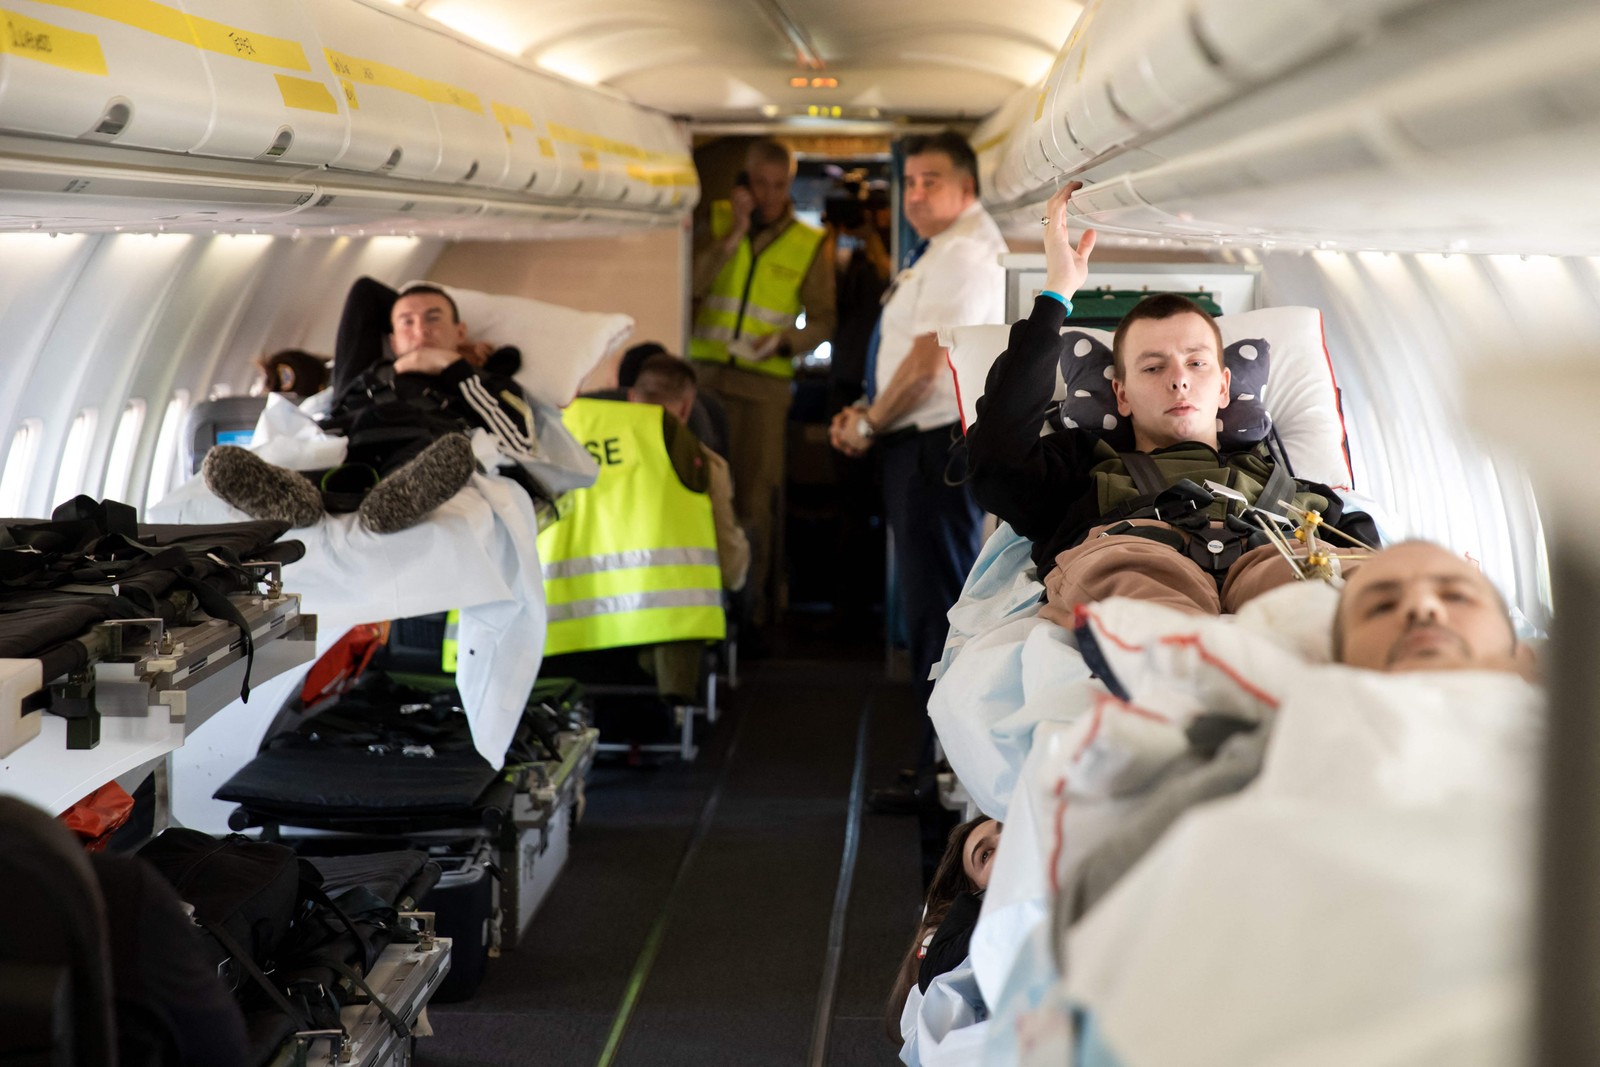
point(1254, 41)
point(126, 75)
point(473, 149)
point(389, 72)
point(574, 116)
point(529, 157)
point(272, 95)
point(1167, 71)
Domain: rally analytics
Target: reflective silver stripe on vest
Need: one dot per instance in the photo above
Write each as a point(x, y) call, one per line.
point(618, 605)
point(714, 332)
point(771, 318)
point(639, 557)
point(721, 303)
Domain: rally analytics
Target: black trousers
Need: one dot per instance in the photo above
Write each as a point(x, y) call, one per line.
point(937, 530)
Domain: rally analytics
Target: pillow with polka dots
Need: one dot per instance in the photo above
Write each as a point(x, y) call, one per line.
point(1288, 384)
point(1089, 402)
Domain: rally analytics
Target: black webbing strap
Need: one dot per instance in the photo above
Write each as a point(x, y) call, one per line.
point(242, 957)
point(218, 606)
point(1278, 491)
point(1144, 472)
point(395, 1022)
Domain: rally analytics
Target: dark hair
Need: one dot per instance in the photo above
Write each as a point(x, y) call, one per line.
point(294, 371)
point(951, 144)
point(949, 881)
point(766, 150)
point(434, 290)
point(664, 379)
point(1158, 306)
point(633, 359)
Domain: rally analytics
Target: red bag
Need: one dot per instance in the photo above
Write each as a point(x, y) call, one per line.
point(95, 816)
point(339, 667)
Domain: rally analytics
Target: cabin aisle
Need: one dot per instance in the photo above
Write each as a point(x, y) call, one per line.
point(692, 924)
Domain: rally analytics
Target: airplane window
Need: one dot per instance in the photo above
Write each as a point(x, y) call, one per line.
point(119, 468)
point(19, 465)
point(166, 460)
point(73, 474)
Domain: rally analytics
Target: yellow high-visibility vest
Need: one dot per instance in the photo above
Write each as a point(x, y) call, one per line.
point(633, 559)
point(755, 297)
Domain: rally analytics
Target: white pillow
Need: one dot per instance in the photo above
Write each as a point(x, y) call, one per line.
point(559, 344)
point(1301, 395)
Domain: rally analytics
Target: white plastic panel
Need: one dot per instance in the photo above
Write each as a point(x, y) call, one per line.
point(569, 124)
point(390, 74)
point(1255, 40)
point(1166, 74)
point(273, 97)
point(474, 149)
point(524, 149)
point(129, 76)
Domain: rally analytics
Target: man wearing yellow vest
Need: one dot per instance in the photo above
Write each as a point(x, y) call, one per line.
point(753, 274)
point(641, 557)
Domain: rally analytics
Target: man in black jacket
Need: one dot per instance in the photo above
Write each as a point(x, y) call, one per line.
point(405, 419)
point(1108, 523)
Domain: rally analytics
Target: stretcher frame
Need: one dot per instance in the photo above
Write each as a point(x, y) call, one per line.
point(405, 978)
point(147, 687)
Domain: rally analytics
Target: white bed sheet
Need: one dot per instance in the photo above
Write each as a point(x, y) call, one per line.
point(477, 552)
point(1364, 901)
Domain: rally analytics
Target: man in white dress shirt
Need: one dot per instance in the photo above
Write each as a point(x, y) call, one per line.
point(951, 277)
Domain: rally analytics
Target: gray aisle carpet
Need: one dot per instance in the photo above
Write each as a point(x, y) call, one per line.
point(721, 874)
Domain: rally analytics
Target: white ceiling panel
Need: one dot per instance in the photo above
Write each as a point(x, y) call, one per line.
point(722, 59)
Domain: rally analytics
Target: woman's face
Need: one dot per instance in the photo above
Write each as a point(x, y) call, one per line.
point(977, 852)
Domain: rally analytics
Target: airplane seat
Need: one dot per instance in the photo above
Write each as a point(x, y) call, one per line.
point(226, 420)
point(55, 977)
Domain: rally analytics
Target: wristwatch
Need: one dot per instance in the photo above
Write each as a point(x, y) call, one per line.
point(864, 429)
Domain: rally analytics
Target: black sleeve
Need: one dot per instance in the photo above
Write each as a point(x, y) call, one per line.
point(363, 325)
point(952, 941)
point(498, 405)
point(1027, 480)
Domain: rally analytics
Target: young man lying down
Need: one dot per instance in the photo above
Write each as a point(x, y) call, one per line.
point(1107, 522)
point(1214, 715)
point(407, 420)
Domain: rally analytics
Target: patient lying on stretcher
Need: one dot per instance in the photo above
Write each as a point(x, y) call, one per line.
point(406, 421)
point(1123, 514)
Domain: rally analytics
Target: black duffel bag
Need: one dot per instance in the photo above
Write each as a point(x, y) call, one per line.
point(245, 893)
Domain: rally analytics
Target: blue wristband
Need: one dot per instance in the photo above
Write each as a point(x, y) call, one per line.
point(1058, 298)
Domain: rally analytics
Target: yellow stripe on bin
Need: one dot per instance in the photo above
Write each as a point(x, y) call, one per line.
point(509, 116)
point(350, 94)
point(174, 24)
point(55, 45)
point(371, 72)
point(547, 148)
point(305, 94)
point(512, 116)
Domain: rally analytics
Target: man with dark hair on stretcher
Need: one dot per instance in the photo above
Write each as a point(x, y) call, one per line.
point(405, 420)
point(1415, 606)
point(1132, 523)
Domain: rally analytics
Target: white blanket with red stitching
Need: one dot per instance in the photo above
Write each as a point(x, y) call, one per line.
point(1364, 901)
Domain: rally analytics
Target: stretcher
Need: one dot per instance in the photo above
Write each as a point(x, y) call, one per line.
point(405, 977)
point(376, 766)
point(136, 690)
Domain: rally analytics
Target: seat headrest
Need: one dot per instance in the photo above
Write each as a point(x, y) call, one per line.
point(1282, 378)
